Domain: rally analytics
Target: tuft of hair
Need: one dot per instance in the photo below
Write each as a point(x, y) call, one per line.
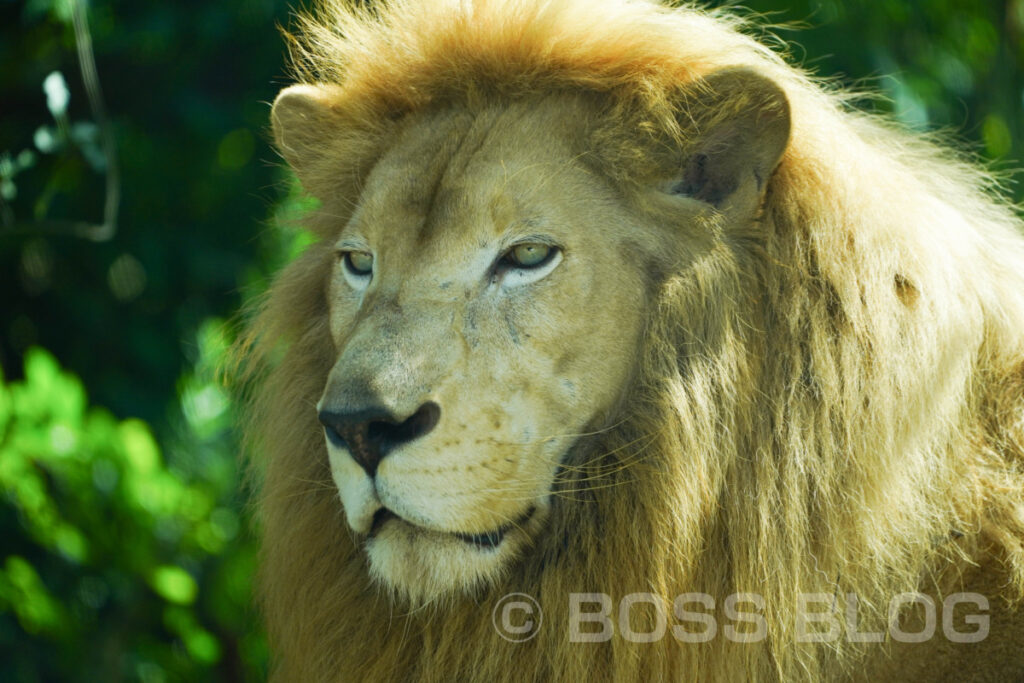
point(846, 419)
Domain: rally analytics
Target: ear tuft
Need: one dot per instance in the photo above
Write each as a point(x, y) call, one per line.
point(743, 124)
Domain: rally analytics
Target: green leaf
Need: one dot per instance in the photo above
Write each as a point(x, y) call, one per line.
point(22, 591)
point(140, 447)
point(174, 584)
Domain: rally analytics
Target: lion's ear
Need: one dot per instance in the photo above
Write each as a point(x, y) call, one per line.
point(303, 121)
point(740, 122)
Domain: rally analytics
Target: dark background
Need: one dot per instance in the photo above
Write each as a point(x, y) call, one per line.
point(126, 549)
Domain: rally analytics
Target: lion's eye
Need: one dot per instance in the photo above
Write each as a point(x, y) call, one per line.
point(529, 255)
point(525, 263)
point(358, 263)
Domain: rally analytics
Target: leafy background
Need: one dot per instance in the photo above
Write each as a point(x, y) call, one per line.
point(126, 548)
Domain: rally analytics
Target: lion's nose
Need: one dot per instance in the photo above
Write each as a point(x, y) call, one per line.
point(370, 434)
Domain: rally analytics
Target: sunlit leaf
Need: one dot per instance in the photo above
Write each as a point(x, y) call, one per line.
point(142, 451)
point(22, 590)
point(174, 584)
point(71, 543)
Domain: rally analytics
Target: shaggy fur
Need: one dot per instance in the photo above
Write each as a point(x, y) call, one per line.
point(846, 417)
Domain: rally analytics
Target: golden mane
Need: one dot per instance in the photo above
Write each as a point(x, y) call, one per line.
point(846, 417)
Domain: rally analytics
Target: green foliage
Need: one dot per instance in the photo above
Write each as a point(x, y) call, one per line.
point(121, 565)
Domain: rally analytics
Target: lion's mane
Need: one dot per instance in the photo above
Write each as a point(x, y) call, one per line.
point(831, 403)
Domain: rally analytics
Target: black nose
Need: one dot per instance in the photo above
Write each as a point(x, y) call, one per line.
point(370, 434)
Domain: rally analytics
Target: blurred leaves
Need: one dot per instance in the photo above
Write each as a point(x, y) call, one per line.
point(109, 542)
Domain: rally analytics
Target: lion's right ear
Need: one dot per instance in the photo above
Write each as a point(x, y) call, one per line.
point(738, 121)
point(303, 121)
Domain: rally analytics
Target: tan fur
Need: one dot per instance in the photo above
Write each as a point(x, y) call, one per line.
point(825, 398)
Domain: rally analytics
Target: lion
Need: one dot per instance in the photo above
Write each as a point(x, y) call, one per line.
point(606, 300)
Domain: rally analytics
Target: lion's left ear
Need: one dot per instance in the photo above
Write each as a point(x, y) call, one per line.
point(742, 127)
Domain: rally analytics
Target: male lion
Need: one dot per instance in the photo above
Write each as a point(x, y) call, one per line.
point(608, 299)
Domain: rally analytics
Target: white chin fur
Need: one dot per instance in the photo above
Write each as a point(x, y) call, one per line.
point(423, 566)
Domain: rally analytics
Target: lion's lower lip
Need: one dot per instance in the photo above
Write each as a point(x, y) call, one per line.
point(492, 539)
point(487, 540)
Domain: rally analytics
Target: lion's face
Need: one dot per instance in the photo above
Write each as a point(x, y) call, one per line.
point(490, 287)
point(486, 311)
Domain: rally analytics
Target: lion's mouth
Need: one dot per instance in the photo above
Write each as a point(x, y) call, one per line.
point(487, 540)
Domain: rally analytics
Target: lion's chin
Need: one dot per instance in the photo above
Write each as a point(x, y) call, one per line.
point(421, 566)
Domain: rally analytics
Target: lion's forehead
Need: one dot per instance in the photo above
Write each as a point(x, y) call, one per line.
point(458, 180)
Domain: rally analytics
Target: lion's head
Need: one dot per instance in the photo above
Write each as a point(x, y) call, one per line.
point(487, 300)
point(608, 298)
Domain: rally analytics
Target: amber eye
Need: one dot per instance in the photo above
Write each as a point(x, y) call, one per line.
point(358, 263)
point(529, 255)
